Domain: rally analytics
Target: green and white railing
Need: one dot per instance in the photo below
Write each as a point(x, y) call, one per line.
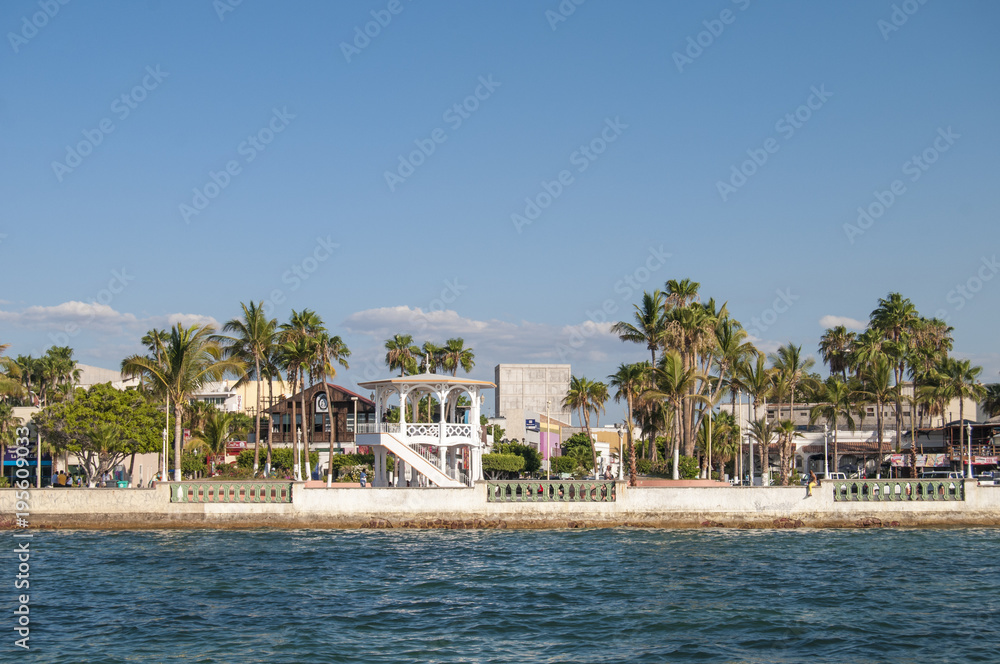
point(550, 491)
point(897, 490)
point(231, 492)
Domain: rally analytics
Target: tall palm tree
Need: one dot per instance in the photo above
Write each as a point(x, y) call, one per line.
point(835, 405)
point(877, 388)
point(629, 381)
point(217, 431)
point(586, 396)
point(430, 357)
point(253, 336)
point(793, 370)
point(896, 318)
point(190, 358)
point(401, 353)
point(835, 349)
point(10, 375)
point(648, 326)
point(958, 379)
point(763, 432)
point(454, 354)
point(301, 330)
point(991, 399)
point(786, 432)
point(330, 351)
point(672, 382)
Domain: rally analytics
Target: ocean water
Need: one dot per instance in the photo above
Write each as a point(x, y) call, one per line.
point(607, 595)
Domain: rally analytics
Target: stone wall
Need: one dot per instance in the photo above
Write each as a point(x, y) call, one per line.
point(352, 507)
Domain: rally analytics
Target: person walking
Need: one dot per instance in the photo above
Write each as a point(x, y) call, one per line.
point(364, 479)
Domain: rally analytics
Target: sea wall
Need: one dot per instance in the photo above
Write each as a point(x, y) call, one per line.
point(353, 507)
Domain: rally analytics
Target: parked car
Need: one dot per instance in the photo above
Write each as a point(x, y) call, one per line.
point(836, 476)
point(988, 479)
point(941, 475)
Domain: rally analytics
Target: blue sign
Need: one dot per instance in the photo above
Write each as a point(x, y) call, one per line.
point(531, 425)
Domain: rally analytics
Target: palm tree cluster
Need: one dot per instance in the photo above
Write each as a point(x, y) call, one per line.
point(44, 379)
point(699, 354)
point(402, 353)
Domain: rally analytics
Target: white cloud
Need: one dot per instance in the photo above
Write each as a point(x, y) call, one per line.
point(74, 316)
point(493, 340)
point(850, 323)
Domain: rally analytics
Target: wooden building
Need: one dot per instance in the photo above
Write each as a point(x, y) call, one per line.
point(329, 425)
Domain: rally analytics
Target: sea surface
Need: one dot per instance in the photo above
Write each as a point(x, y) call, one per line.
point(607, 595)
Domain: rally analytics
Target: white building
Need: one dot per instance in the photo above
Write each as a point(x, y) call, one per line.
point(526, 391)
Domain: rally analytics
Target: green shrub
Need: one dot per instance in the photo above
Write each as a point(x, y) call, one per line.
point(193, 463)
point(688, 467)
point(532, 459)
point(501, 466)
point(643, 466)
point(563, 464)
point(231, 471)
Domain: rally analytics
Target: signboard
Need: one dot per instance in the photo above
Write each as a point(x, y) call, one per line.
point(322, 405)
point(10, 457)
point(923, 460)
point(236, 446)
point(531, 425)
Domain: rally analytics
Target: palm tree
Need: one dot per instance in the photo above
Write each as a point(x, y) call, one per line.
point(835, 349)
point(673, 381)
point(430, 357)
point(217, 431)
point(763, 432)
point(786, 432)
point(792, 369)
point(958, 379)
point(836, 401)
point(10, 375)
point(896, 318)
point(330, 351)
point(190, 358)
point(454, 354)
point(991, 399)
point(586, 396)
point(648, 326)
point(877, 387)
point(254, 334)
point(629, 381)
point(299, 334)
point(401, 353)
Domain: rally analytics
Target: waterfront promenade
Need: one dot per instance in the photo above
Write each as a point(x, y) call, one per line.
point(514, 504)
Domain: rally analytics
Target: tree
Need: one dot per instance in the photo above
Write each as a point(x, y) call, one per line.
point(835, 349)
point(896, 319)
point(454, 354)
point(401, 354)
point(672, 382)
point(188, 360)
point(253, 336)
point(102, 426)
point(502, 466)
point(217, 432)
point(763, 432)
point(299, 334)
point(791, 369)
point(991, 399)
point(586, 396)
point(877, 387)
point(649, 324)
point(532, 459)
point(330, 351)
point(629, 381)
point(958, 379)
point(836, 401)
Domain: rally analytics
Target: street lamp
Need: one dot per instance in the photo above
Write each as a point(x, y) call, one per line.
point(969, 443)
point(621, 429)
point(548, 440)
point(164, 475)
point(826, 457)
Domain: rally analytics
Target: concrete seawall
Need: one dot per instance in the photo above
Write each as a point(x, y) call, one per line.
point(350, 507)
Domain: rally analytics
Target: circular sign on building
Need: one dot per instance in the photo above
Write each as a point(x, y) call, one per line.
point(322, 405)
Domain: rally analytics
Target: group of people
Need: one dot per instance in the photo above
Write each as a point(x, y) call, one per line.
point(64, 479)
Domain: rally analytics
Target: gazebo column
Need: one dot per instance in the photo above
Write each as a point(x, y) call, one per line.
point(400, 472)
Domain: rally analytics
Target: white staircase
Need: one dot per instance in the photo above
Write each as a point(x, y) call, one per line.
point(414, 459)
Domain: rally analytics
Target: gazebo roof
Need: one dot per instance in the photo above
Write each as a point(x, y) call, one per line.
point(425, 379)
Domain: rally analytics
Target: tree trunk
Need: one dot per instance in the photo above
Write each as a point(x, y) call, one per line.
point(631, 443)
point(306, 427)
point(270, 424)
point(333, 430)
point(256, 431)
point(294, 430)
point(178, 438)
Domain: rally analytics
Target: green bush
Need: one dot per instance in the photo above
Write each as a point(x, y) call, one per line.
point(193, 463)
point(532, 459)
point(501, 466)
point(281, 460)
point(643, 466)
point(688, 467)
point(231, 471)
point(563, 464)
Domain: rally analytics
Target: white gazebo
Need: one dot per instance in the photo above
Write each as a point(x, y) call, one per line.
point(444, 453)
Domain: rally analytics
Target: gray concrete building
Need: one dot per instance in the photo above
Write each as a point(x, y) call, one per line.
point(525, 391)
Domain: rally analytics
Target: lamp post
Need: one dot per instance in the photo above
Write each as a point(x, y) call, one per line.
point(163, 477)
point(750, 450)
point(826, 458)
point(969, 443)
point(548, 440)
point(621, 457)
point(296, 458)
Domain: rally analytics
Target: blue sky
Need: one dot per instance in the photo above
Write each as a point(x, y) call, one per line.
point(619, 122)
